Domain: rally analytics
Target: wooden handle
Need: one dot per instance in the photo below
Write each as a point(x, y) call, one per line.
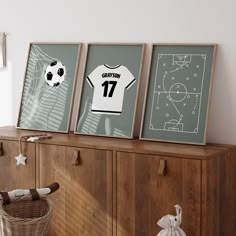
point(53, 187)
point(5, 197)
point(1, 149)
point(34, 194)
point(162, 170)
point(76, 158)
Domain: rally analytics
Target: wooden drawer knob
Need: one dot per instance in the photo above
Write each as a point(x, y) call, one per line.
point(162, 170)
point(76, 158)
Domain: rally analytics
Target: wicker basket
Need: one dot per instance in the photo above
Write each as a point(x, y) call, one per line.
point(26, 215)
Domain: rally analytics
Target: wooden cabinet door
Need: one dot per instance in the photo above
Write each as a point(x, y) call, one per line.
point(11, 175)
point(143, 196)
point(83, 204)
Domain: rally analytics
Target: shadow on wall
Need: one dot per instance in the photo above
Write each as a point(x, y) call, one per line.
point(6, 96)
point(222, 109)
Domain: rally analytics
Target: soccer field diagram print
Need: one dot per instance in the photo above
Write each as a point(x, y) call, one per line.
point(182, 97)
point(178, 93)
point(109, 92)
point(48, 88)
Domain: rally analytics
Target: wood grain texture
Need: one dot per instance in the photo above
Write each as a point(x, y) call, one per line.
point(143, 196)
point(83, 205)
point(210, 197)
point(227, 191)
point(116, 189)
point(219, 194)
point(116, 144)
point(114, 194)
point(11, 175)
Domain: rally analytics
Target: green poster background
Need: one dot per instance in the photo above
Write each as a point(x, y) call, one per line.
point(178, 93)
point(44, 107)
point(129, 56)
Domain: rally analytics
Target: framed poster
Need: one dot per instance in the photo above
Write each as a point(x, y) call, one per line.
point(2, 50)
point(109, 92)
point(49, 84)
point(178, 93)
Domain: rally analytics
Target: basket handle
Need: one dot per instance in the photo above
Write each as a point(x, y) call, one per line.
point(34, 194)
point(53, 187)
point(7, 197)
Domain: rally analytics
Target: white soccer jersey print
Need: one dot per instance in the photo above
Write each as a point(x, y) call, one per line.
point(109, 83)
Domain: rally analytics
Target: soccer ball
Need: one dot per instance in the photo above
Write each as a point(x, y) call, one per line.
point(55, 74)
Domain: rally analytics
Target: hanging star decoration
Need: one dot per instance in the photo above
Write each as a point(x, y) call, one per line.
point(20, 160)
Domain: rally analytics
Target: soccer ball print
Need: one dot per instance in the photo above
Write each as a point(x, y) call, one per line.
point(55, 73)
point(49, 86)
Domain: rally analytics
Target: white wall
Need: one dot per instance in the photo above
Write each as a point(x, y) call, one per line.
point(199, 21)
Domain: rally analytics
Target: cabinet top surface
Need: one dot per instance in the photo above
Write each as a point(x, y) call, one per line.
point(126, 145)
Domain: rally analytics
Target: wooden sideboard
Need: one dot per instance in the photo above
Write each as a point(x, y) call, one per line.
point(116, 187)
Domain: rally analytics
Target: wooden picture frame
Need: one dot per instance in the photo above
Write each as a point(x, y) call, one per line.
point(178, 93)
point(49, 86)
point(2, 50)
point(108, 102)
